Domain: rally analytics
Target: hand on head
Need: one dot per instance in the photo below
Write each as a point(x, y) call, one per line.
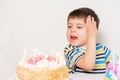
point(91, 27)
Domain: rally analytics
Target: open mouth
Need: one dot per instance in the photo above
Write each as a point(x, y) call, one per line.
point(73, 37)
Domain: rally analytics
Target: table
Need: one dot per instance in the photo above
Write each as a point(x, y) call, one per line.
point(84, 76)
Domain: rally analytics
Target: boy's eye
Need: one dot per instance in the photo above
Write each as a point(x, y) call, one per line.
point(79, 27)
point(69, 26)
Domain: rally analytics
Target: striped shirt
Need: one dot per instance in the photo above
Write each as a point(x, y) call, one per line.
point(74, 53)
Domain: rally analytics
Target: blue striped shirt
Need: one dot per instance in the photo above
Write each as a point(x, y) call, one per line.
point(74, 53)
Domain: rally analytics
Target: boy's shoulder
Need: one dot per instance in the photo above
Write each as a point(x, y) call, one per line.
point(99, 45)
point(102, 46)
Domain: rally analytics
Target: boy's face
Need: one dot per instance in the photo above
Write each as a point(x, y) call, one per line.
point(76, 32)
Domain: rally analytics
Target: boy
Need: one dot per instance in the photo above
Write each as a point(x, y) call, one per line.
point(84, 54)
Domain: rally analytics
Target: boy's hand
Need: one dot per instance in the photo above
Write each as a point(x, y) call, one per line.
point(87, 62)
point(91, 27)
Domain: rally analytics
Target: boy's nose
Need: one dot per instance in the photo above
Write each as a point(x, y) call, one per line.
point(72, 30)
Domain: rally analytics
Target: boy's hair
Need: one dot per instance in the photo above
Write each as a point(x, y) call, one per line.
point(83, 13)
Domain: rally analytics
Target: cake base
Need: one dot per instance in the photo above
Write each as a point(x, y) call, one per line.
point(60, 73)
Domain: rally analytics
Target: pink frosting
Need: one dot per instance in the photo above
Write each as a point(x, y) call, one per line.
point(34, 59)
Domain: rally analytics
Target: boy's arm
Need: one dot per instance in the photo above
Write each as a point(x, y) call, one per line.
point(87, 62)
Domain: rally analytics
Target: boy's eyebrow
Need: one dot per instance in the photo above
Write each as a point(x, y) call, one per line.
point(69, 23)
point(80, 24)
point(76, 23)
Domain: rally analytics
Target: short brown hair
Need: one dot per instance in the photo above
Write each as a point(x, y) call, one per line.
point(83, 13)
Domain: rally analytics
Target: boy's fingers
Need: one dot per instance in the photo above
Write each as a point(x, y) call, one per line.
point(95, 25)
point(93, 22)
point(88, 21)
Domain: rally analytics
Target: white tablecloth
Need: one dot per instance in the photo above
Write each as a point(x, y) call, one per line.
point(75, 76)
point(84, 76)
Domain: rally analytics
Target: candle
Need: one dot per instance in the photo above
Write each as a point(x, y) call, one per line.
point(39, 53)
point(25, 53)
point(57, 56)
point(24, 56)
point(34, 54)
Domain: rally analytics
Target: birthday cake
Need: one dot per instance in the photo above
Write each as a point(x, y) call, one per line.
point(113, 69)
point(42, 67)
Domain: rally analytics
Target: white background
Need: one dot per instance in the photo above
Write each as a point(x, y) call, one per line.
point(42, 24)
